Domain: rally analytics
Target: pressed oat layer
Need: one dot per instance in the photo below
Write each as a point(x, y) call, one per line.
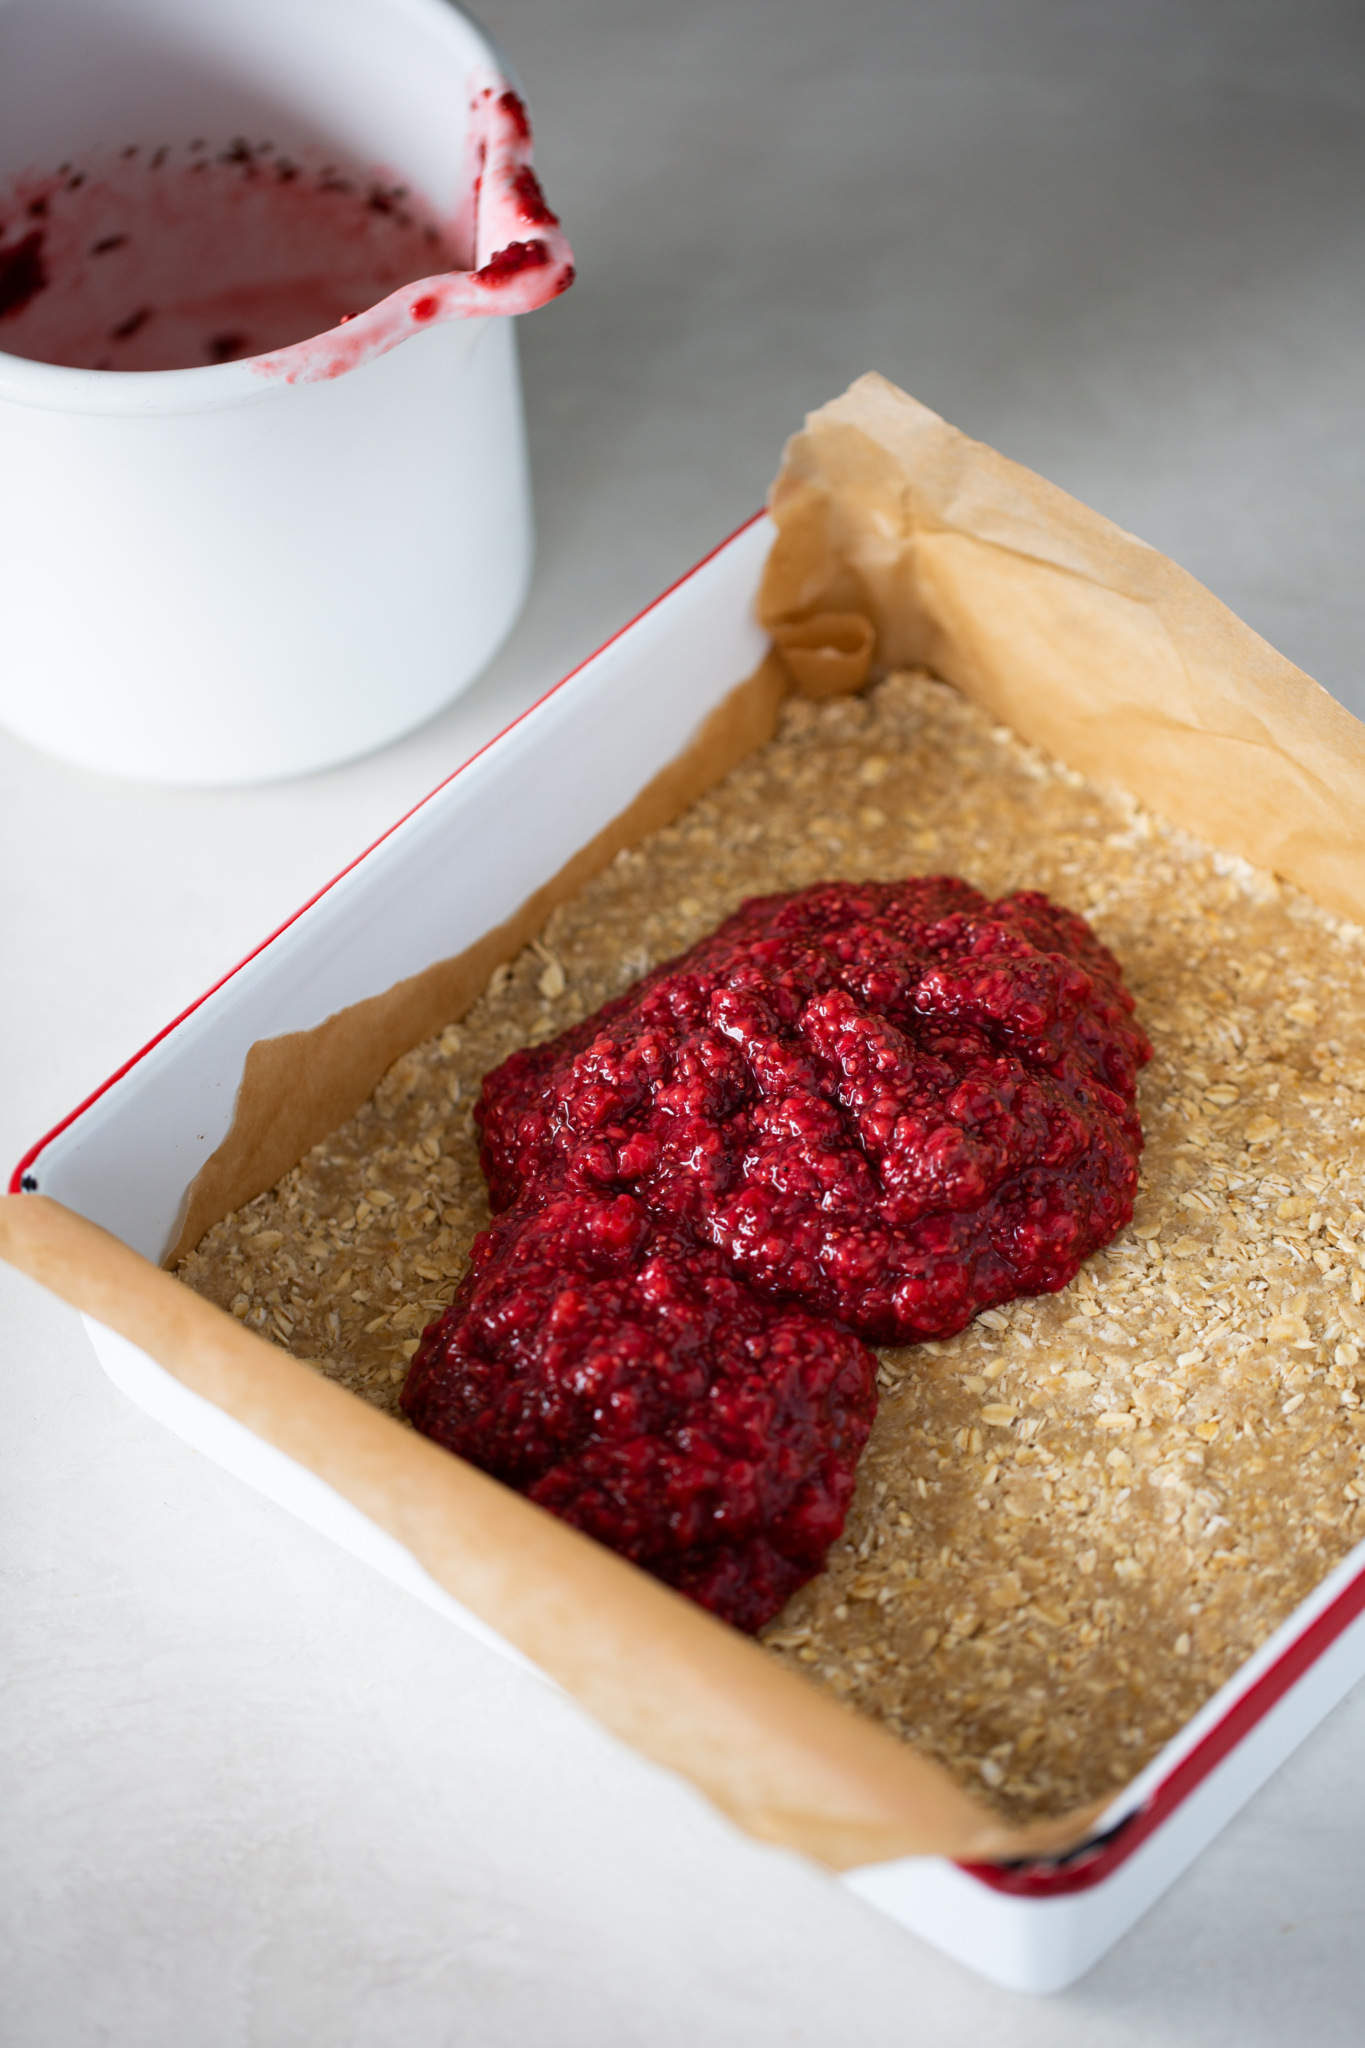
point(1077, 1518)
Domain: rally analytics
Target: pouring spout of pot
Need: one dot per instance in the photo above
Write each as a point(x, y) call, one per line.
point(522, 257)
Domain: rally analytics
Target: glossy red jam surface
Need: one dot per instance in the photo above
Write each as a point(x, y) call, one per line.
point(872, 1107)
point(615, 1371)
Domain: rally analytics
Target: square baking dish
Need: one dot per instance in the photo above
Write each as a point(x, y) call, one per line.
point(461, 863)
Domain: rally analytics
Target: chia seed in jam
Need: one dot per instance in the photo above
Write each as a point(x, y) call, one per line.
point(859, 1114)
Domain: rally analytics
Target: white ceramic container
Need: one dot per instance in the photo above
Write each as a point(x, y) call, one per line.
point(459, 864)
point(257, 568)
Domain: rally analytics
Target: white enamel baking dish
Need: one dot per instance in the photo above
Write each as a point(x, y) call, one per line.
point(457, 865)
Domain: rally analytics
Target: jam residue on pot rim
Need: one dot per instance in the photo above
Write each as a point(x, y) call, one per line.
point(858, 1114)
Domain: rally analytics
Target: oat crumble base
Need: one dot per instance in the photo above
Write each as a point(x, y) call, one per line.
point(1076, 1519)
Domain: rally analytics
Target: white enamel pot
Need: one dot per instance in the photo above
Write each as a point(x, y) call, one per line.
point(254, 569)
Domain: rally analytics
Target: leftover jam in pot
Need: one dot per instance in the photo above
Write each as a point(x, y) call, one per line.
point(855, 1115)
point(168, 258)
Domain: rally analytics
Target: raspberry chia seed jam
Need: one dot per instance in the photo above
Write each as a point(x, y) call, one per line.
point(855, 1115)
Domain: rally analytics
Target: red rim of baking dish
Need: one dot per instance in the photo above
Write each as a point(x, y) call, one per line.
point(1094, 1861)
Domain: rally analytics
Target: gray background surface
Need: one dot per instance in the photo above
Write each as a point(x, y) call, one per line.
point(253, 1794)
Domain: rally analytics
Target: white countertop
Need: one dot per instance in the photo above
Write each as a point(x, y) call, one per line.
point(251, 1792)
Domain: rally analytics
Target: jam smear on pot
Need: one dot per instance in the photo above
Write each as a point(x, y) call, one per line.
point(855, 1115)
